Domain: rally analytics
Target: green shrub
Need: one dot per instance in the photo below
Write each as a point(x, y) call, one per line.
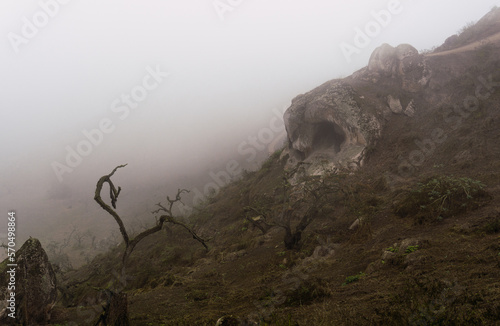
point(353, 278)
point(430, 301)
point(411, 249)
point(441, 197)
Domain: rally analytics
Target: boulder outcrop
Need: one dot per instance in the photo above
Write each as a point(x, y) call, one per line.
point(402, 62)
point(328, 124)
point(333, 124)
point(35, 286)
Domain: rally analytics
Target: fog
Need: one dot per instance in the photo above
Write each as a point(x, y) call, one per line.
point(176, 89)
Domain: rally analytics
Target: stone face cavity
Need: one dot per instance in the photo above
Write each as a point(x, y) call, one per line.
point(329, 136)
point(35, 286)
point(329, 124)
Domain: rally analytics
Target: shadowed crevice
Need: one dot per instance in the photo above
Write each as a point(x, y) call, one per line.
point(328, 136)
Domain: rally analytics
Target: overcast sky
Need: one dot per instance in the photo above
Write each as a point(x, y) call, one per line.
point(173, 85)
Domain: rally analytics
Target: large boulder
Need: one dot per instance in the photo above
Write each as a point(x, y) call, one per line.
point(328, 124)
point(387, 59)
point(401, 62)
point(35, 286)
point(332, 125)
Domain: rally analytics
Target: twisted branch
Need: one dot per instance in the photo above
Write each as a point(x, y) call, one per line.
point(113, 193)
point(171, 219)
point(131, 243)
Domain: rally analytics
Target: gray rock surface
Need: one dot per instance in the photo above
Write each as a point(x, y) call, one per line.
point(387, 60)
point(328, 124)
point(35, 286)
point(332, 125)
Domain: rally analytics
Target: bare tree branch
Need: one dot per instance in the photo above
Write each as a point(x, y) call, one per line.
point(131, 243)
point(262, 224)
point(113, 193)
point(169, 218)
point(195, 236)
point(303, 199)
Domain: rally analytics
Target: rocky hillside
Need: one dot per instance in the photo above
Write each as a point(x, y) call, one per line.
point(383, 209)
point(339, 120)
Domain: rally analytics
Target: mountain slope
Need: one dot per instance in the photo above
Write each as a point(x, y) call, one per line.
point(429, 267)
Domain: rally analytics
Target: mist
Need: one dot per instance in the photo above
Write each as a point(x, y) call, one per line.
point(185, 93)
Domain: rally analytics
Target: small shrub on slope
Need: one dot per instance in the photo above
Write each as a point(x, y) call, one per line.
point(441, 197)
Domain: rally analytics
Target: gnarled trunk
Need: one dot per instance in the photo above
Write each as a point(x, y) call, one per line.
point(116, 310)
point(292, 239)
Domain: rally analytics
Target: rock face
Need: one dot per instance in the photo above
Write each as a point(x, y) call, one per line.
point(387, 59)
point(332, 125)
point(402, 62)
point(329, 124)
point(35, 286)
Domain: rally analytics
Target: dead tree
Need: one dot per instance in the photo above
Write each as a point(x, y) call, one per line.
point(307, 200)
point(115, 309)
point(304, 201)
point(79, 238)
point(260, 221)
point(304, 204)
point(168, 217)
point(58, 257)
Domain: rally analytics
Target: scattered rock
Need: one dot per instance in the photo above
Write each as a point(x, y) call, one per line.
point(408, 243)
point(257, 218)
point(324, 251)
point(413, 260)
point(407, 254)
point(234, 255)
point(227, 321)
point(394, 104)
point(462, 157)
point(356, 224)
point(388, 255)
point(410, 109)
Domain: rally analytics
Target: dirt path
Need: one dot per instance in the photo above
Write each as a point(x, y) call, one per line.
point(469, 47)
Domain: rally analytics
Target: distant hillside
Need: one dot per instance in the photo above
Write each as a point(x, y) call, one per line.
point(487, 26)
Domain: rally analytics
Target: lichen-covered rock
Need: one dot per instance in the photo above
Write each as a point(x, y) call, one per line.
point(328, 125)
point(402, 62)
point(395, 104)
point(35, 286)
point(387, 60)
point(332, 125)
